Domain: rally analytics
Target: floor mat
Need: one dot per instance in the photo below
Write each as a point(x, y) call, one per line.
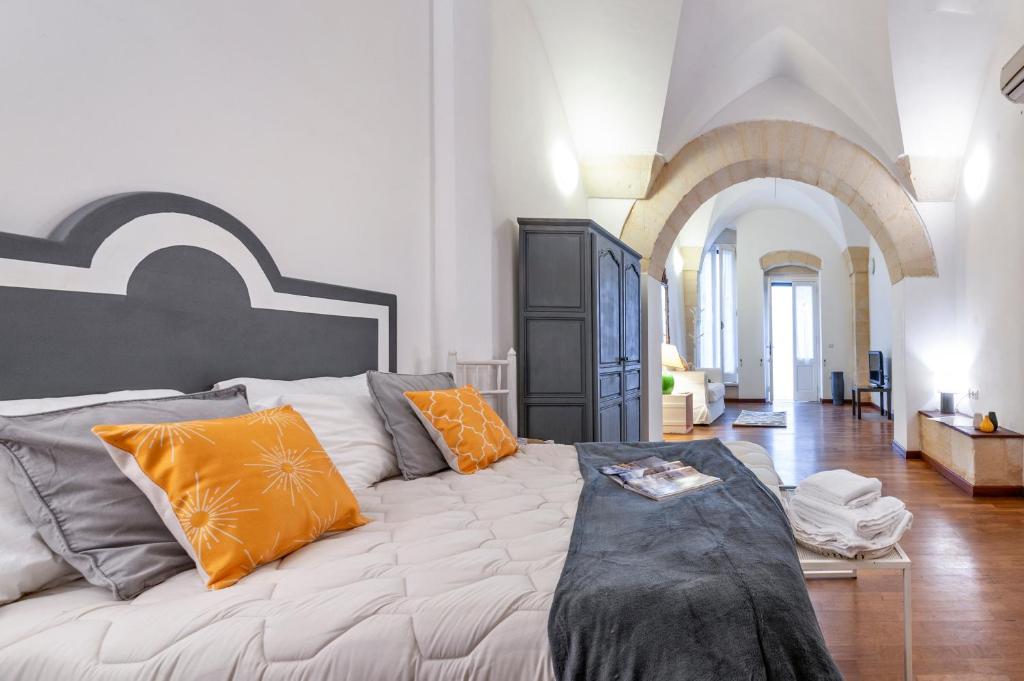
point(761, 419)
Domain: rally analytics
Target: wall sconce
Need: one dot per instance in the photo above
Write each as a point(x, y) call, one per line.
point(565, 168)
point(976, 173)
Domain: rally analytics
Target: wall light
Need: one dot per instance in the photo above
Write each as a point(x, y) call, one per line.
point(976, 173)
point(565, 168)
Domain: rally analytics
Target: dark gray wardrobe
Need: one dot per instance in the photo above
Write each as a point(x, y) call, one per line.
point(580, 334)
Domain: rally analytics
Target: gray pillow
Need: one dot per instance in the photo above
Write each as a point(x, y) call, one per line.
point(86, 510)
point(417, 454)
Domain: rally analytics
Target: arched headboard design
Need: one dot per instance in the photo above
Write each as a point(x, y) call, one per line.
point(159, 290)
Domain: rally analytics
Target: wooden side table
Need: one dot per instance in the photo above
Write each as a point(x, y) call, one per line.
point(677, 413)
point(884, 392)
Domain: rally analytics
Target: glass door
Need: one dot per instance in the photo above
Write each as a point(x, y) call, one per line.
point(805, 342)
point(780, 347)
point(792, 348)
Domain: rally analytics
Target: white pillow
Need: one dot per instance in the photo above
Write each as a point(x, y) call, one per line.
point(26, 563)
point(260, 390)
point(351, 432)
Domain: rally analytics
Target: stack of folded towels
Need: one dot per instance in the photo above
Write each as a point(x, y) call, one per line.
point(845, 513)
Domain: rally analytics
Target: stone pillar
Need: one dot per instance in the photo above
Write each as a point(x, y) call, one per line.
point(857, 264)
point(691, 303)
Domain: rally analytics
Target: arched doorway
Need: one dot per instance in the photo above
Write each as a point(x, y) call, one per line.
point(785, 149)
point(805, 153)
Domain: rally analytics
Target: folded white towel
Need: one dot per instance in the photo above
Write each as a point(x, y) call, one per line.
point(841, 487)
point(845, 544)
point(865, 521)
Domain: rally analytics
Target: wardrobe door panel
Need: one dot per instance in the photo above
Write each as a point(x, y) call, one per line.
point(633, 380)
point(610, 386)
point(555, 271)
point(609, 303)
point(563, 423)
point(557, 352)
point(631, 331)
point(631, 416)
point(609, 422)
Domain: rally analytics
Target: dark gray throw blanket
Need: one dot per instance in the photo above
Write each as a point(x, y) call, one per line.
point(706, 585)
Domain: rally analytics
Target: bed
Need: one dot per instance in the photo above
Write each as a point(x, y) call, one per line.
point(454, 576)
point(452, 579)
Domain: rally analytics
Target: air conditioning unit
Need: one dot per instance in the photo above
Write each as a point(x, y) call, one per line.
point(1012, 78)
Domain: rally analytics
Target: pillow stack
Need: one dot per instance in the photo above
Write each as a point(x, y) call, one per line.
point(236, 492)
point(29, 564)
point(342, 415)
point(83, 507)
point(128, 489)
point(436, 426)
point(469, 434)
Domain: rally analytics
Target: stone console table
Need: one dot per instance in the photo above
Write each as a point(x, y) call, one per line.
point(981, 464)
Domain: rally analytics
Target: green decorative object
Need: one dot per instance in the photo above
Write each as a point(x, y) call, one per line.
point(668, 381)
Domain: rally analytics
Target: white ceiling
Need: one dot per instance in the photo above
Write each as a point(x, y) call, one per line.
point(722, 211)
point(895, 76)
point(940, 51)
point(836, 48)
point(611, 61)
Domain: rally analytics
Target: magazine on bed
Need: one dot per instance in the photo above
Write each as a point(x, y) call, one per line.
point(658, 479)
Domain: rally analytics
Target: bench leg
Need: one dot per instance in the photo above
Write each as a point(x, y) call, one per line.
point(908, 647)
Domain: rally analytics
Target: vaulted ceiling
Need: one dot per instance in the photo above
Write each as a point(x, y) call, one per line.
point(899, 77)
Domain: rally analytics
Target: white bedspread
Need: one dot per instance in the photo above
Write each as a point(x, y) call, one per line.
point(452, 579)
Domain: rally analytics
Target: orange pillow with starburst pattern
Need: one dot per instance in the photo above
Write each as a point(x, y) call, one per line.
point(469, 433)
point(236, 492)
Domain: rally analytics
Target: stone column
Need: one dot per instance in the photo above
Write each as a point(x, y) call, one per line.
point(857, 264)
point(691, 303)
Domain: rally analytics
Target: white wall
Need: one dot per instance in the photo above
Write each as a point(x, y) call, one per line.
point(527, 125)
point(676, 302)
point(386, 146)
point(880, 309)
point(924, 316)
point(310, 125)
point(990, 244)
point(772, 229)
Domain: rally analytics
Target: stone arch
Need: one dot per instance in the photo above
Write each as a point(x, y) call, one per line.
point(774, 259)
point(797, 151)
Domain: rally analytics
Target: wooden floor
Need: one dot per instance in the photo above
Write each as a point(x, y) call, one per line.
point(968, 555)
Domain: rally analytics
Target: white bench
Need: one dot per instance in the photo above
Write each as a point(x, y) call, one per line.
point(817, 566)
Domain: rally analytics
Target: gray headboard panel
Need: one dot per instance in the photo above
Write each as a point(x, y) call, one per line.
point(157, 290)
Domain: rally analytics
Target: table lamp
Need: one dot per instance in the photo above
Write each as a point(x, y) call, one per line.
point(948, 386)
point(671, 360)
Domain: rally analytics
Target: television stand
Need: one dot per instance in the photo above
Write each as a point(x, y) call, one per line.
point(884, 391)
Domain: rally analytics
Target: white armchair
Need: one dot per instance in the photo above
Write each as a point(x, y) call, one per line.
point(708, 390)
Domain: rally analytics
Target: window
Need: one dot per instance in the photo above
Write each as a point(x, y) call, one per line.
point(718, 341)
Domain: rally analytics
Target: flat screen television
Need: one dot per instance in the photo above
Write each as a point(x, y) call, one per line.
point(876, 370)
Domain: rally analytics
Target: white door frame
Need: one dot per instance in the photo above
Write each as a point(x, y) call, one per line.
point(791, 279)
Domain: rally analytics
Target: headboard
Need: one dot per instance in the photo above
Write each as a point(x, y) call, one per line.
point(158, 290)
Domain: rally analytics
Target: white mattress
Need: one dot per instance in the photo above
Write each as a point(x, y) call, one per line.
point(452, 579)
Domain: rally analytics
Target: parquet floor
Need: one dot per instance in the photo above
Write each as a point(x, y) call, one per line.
point(968, 555)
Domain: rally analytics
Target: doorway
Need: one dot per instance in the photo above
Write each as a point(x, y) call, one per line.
point(792, 333)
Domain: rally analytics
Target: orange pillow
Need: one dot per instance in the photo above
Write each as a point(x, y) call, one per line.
point(236, 492)
point(464, 427)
